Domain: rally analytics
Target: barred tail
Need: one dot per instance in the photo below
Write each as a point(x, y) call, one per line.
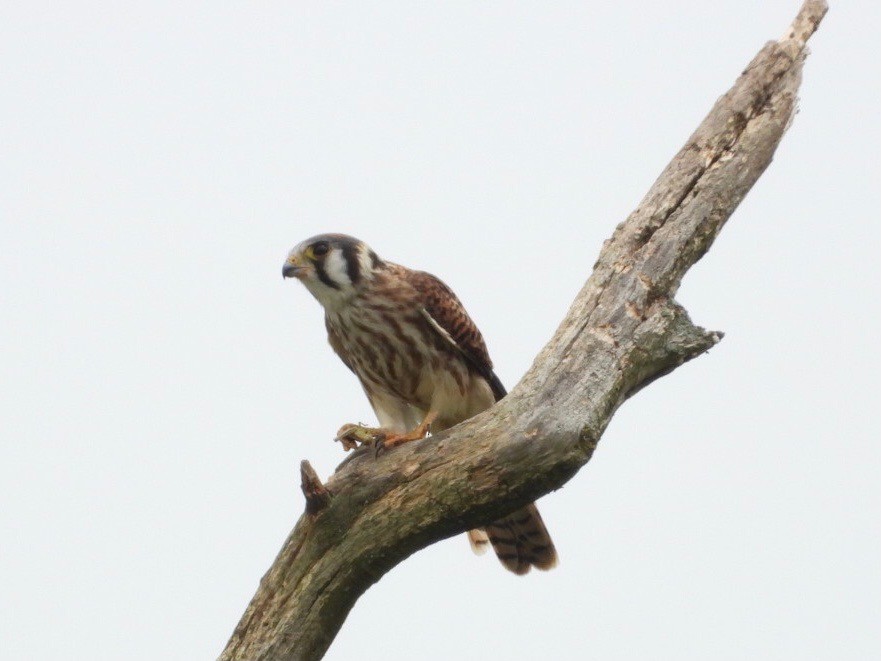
point(478, 540)
point(520, 541)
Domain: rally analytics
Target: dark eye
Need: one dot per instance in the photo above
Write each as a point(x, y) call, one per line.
point(320, 249)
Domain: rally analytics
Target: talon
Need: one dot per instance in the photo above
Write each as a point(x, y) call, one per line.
point(357, 436)
point(354, 436)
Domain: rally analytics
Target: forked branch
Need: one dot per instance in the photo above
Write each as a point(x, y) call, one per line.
point(622, 331)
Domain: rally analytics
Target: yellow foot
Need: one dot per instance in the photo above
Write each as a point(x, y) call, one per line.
point(381, 439)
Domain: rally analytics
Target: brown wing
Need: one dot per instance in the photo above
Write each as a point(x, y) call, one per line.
point(447, 315)
point(520, 539)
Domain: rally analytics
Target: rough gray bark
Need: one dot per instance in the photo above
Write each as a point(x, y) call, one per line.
point(623, 331)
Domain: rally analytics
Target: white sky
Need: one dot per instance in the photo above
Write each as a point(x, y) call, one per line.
point(161, 382)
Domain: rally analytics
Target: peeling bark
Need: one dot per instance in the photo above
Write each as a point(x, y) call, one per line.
point(623, 331)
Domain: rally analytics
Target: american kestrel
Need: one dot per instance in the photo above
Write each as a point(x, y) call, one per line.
point(421, 361)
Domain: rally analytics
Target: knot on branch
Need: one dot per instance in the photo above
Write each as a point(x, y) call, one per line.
point(317, 495)
point(664, 341)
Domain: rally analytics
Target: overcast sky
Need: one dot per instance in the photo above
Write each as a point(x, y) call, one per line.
point(160, 382)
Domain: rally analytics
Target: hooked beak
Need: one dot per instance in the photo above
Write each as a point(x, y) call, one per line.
point(294, 267)
point(291, 271)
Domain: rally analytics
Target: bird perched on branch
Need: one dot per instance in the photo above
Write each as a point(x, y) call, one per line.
point(421, 361)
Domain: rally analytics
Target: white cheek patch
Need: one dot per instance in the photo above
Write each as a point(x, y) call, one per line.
point(336, 269)
point(365, 263)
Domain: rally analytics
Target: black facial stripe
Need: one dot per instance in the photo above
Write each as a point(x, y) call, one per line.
point(322, 275)
point(353, 267)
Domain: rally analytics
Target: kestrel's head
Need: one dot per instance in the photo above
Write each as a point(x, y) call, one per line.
point(332, 266)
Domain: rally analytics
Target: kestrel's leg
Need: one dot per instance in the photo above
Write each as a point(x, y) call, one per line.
point(382, 439)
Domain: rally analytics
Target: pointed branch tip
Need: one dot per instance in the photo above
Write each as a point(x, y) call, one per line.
point(317, 495)
point(806, 22)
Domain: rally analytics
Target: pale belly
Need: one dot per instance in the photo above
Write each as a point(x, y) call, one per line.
point(406, 366)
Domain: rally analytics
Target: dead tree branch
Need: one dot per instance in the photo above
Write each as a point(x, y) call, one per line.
point(623, 331)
